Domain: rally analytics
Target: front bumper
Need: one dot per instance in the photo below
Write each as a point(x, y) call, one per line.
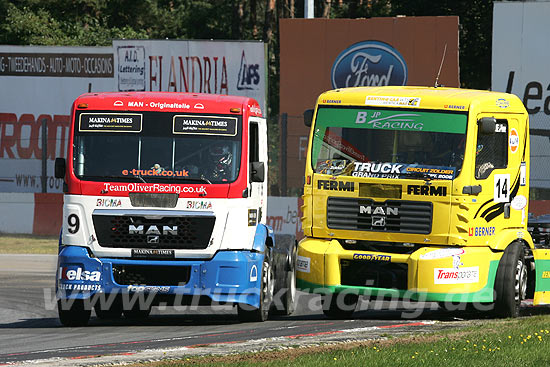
point(449, 275)
point(229, 277)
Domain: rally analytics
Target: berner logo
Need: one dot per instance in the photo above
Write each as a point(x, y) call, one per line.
point(369, 63)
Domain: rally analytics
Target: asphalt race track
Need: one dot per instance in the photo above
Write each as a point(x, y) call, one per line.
point(30, 331)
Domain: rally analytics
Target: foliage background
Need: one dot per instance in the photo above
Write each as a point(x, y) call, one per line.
point(98, 22)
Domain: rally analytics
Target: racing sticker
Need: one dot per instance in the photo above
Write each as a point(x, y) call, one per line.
point(252, 217)
point(513, 140)
point(456, 276)
point(372, 257)
point(442, 253)
point(392, 101)
point(399, 170)
point(502, 188)
point(205, 125)
point(109, 122)
point(302, 264)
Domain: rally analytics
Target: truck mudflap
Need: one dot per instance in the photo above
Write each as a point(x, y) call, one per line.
point(542, 276)
point(229, 277)
point(443, 274)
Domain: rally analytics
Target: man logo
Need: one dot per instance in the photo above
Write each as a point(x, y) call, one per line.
point(153, 239)
point(378, 221)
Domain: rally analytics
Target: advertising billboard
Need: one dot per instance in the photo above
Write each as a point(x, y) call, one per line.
point(219, 67)
point(38, 84)
point(520, 66)
point(322, 54)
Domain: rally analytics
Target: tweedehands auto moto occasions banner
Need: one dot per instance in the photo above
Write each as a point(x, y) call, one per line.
point(520, 66)
point(40, 83)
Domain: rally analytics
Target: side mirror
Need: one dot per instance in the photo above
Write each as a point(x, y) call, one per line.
point(257, 172)
point(308, 117)
point(487, 125)
point(59, 168)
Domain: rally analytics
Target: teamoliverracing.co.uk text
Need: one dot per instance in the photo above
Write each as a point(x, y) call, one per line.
point(154, 188)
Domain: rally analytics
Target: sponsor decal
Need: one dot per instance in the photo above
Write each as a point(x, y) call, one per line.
point(337, 101)
point(101, 122)
point(249, 75)
point(303, 264)
point(393, 101)
point(252, 217)
point(363, 169)
point(108, 203)
point(513, 140)
point(160, 188)
point(456, 262)
point(455, 107)
point(199, 205)
point(399, 121)
point(254, 273)
point(502, 103)
point(435, 173)
point(369, 63)
point(442, 253)
point(371, 257)
point(65, 273)
point(546, 275)
point(519, 202)
point(153, 253)
point(427, 190)
point(118, 104)
point(155, 171)
point(335, 185)
point(255, 110)
point(205, 125)
point(148, 289)
point(79, 287)
point(500, 128)
point(481, 231)
point(456, 276)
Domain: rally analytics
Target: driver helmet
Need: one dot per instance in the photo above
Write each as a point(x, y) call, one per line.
point(220, 155)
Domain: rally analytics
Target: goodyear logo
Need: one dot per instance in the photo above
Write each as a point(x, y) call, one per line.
point(546, 275)
point(371, 257)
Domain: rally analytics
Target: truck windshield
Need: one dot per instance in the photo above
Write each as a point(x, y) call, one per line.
point(388, 143)
point(156, 147)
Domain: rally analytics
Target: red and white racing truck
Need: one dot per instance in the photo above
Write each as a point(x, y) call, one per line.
point(165, 203)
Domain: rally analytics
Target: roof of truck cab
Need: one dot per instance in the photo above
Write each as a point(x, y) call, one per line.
point(166, 101)
point(453, 99)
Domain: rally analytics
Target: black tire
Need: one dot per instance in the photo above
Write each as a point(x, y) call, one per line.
point(73, 313)
point(288, 293)
point(247, 313)
point(114, 311)
point(333, 308)
point(510, 281)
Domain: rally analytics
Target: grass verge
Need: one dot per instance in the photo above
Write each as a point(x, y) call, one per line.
point(512, 342)
point(28, 244)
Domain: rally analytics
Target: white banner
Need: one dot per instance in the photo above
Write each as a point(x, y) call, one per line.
point(218, 67)
point(40, 84)
point(520, 66)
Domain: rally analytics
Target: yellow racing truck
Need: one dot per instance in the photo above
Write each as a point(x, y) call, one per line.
point(420, 193)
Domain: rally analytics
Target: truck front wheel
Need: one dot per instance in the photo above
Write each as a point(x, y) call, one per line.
point(510, 281)
point(259, 314)
point(73, 312)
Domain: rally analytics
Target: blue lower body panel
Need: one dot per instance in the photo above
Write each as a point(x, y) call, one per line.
point(229, 277)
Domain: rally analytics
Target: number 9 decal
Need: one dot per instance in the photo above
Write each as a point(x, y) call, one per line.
point(73, 223)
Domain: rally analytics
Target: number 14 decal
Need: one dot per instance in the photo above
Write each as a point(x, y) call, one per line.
point(502, 188)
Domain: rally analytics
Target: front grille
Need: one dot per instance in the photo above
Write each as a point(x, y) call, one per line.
point(380, 246)
point(181, 232)
point(376, 274)
point(389, 216)
point(151, 275)
point(144, 199)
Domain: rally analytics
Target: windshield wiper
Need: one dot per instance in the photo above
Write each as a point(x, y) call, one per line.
point(140, 178)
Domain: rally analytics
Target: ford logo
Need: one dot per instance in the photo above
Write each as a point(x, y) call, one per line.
point(369, 63)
